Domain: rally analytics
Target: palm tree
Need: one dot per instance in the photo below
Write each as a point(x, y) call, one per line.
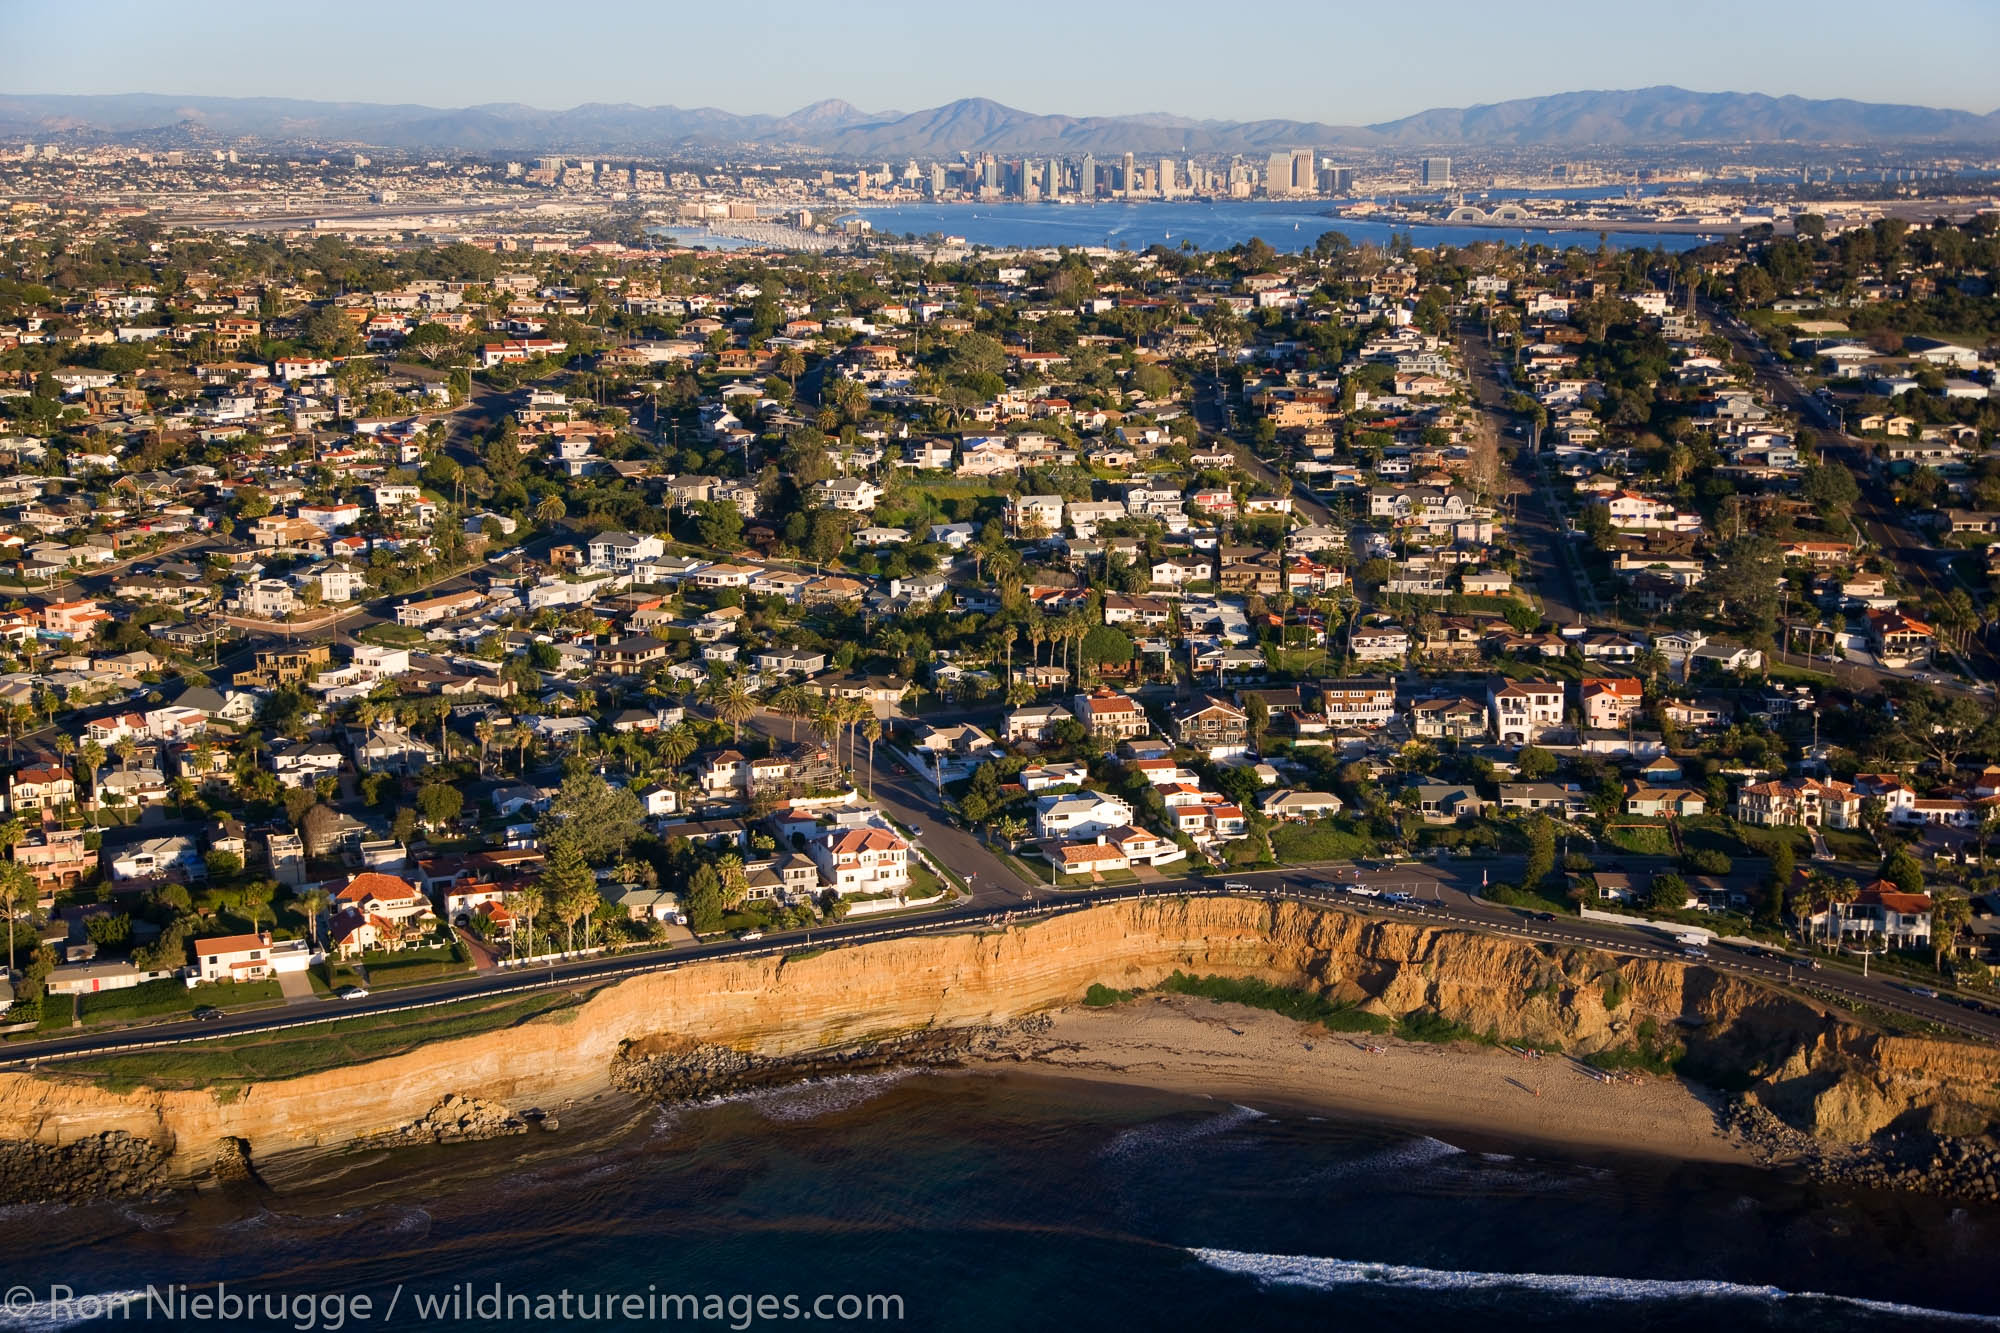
point(852, 713)
point(872, 729)
point(483, 729)
point(732, 703)
point(528, 902)
point(125, 749)
point(551, 510)
point(676, 744)
point(15, 887)
point(1950, 910)
point(793, 702)
point(792, 365)
point(735, 884)
point(313, 903)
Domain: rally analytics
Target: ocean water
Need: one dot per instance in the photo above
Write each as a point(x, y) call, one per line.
point(1008, 1202)
point(1216, 226)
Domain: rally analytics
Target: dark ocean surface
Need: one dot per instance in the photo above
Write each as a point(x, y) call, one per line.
point(1009, 1202)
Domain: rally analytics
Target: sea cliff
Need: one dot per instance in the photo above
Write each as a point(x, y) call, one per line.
point(1833, 1080)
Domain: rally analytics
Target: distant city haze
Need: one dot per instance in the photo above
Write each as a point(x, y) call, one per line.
point(1338, 64)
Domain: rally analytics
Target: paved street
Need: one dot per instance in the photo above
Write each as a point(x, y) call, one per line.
point(1444, 897)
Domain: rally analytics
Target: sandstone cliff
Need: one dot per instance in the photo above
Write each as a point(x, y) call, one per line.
point(1834, 1080)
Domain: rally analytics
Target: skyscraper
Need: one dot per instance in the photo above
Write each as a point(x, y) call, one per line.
point(1435, 173)
point(1052, 179)
point(1305, 179)
point(1278, 174)
point(1336, 181)
point(1164, 186)
point(1086, 176)
point(1128, 183)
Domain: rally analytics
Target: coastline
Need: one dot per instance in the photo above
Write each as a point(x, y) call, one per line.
point(1201, 1048)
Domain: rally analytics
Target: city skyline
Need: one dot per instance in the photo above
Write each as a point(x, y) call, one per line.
point(779, 57)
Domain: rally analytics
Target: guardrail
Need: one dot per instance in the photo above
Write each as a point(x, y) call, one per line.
point(1421, 909)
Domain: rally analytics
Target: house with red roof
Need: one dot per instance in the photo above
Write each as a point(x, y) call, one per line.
point(376, 910)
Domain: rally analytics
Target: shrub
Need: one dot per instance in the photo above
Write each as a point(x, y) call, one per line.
point(1100, 996)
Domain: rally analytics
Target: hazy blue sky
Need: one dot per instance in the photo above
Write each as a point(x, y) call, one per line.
point(1333, 61)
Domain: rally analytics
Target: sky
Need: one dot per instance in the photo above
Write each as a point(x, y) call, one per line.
point(1334, 61)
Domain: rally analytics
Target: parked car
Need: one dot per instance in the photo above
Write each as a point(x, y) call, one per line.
point(352, 992)
point(207, 1013)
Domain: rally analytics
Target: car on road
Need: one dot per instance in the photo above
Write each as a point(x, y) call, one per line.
point(1327, 886)
point(1694, 951)
point(916, 832)
point(207, 1013)
point(747, 936)
point(1235, 886)
point(352, 992)
point(1922, 992)
point(1541, 916)
point(1399, 897)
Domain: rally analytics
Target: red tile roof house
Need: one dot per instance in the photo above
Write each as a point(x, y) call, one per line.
point(247, 957)
point(1610, 701)
point(377, 909)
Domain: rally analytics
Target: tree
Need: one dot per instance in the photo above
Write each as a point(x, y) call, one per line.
point(1541, 852)
point(16, 887)
point(733, 703)
point(1534, 763)
point(1783, 867)
point(593, 818)
point(528, 905)
point(440, 803)
point(1904, 871)
point(565, 878)
point(1669, 893)
point(1950, 911)
point(719, 523)
point(1258, 714)
point(704, 900)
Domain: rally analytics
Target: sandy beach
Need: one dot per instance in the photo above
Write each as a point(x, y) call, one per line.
point(1200, 1047)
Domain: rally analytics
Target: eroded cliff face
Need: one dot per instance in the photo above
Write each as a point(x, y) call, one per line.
point(1834, 1080)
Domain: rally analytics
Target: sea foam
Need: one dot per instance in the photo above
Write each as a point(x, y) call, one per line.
point(1292, 1270)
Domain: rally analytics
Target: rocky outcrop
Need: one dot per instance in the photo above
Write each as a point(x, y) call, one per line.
point(702, 1026)
point(666, 1069)
point(454, 1119)
point(104, 1165)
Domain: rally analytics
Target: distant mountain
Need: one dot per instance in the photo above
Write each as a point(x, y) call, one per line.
point(1638, 117)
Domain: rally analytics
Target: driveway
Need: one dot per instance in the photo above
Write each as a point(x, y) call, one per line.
point(297, 988)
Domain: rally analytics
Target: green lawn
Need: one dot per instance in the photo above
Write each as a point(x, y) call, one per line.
point(1849, 845)
point(170, 997)
point(307, 1050)
point(408, 967)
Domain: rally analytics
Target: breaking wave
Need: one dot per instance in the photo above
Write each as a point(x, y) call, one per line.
point(1291, 1270)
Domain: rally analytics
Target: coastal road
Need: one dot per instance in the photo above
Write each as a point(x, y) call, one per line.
point(1442, 895)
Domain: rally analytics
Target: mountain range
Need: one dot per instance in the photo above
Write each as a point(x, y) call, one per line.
point(1638, 117)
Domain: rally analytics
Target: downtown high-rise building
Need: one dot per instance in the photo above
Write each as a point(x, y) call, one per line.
point(1336, 180)
point(1086, 176)
point(1305, 176)
point(1052, 179)
point(1163, 185)
point(1434, 173)
point(1278, 174)
point(1128, 184)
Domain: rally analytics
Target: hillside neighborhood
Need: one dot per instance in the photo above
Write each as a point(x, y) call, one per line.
point(380, 612)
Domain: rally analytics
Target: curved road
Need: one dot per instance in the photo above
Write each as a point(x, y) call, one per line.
point(1442, 895)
